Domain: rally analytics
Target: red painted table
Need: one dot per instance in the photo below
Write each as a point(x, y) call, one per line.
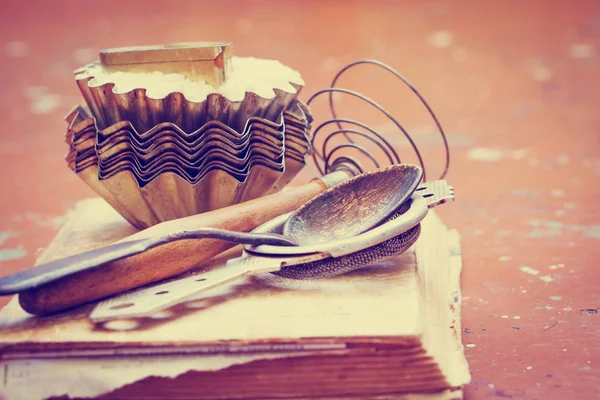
point(515, 83)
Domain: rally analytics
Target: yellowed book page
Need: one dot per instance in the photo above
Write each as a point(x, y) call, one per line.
point(385, 301)
point(380, 301)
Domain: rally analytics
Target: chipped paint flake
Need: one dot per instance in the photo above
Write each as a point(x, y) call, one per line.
point(556, 266)
point(547, 278)
point(492, 155)
point(11, 254)
point(84, 55)
point(541, 74)
point(44, 221)
point(581, 50)
point(525, 193)
point(555, 298)
point(471, 345)
point(4, 236)
point(538, 68)
point(549, 228)
point(41, 101)
point(17, 49)
point(33, 92)
point(504, 316)
point(505, 258)
point(46, 104)
point(441, 39)
point(529, 270)
point(329, 64)
point(569, 205)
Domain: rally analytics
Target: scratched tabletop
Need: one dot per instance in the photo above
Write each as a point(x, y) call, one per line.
point(516, 85)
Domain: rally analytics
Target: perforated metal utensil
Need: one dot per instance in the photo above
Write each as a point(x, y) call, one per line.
point(389, 239)
point(344, 210)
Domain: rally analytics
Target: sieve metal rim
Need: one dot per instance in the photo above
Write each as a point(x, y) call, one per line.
point(412, 217)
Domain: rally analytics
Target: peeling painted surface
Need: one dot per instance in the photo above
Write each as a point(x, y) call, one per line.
point(11, 254)
point(525, 193)
point(550, 228)
point(485, 154)
point(529, 270)
point(4, 236)
point(515, 87)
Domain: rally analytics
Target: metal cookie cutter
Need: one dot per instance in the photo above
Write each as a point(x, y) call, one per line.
point(197, 61)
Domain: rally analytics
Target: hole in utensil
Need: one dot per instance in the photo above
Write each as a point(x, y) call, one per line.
point(121, 306)
point(162, 292)
point(200, 280)
point(162, 315)
point(421, 188)
point(197, 304)
point(428, 195)
point(121, 325)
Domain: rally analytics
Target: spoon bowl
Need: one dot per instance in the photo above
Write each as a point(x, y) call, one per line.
point(354, 206)
point(341, 212)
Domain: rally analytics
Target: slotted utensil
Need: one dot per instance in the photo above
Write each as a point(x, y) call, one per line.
point(350, 202)
point(323, 260)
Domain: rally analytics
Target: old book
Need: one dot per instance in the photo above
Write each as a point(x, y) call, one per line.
point(387, 331)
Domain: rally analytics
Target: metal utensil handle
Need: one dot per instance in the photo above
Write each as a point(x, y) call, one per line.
point(50, 272)
point(436, 193)
point(45, 273)
point(148, 301)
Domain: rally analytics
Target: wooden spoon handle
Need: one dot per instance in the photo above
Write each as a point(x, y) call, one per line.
point(170, 259)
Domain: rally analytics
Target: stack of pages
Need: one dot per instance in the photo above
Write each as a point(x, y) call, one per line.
point(387, 331)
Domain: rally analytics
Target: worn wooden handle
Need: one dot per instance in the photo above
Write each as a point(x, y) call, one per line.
point(165, 261)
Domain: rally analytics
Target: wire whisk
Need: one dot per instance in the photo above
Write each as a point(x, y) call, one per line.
point(328, 157)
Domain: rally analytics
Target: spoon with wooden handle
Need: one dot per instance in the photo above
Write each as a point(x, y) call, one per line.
point(169, 259)
point(390, 186)
point(349, 208)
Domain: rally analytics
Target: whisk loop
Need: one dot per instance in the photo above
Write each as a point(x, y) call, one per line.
point(330, 156)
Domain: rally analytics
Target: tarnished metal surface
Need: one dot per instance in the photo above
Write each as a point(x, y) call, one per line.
point(396, 234)
point(165, 173)
point(430, 196)
point(514, 83)
point(144, 112)
point(198, 61)
point(354, 206)
point(394, 220)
